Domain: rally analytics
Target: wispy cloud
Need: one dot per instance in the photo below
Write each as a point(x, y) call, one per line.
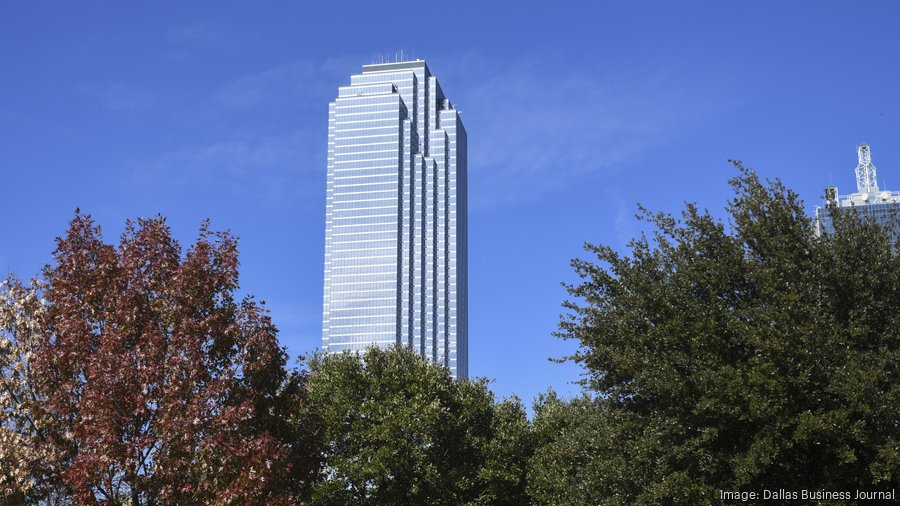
point(292, 84)
point(118, 96)
point(625, 227)
point(283, 84)
point(271, 170)
point(267, 136)
point(202, 34)
point(532, 131)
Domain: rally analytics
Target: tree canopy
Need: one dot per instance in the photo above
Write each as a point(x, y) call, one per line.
point(741, 354)
point(131, 375)
point(395, 429)
point(745, 355)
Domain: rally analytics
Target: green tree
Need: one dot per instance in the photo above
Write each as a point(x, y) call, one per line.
point(394, 429)
point(749, 356)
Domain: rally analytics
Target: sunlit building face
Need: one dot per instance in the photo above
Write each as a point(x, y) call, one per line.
point(395, 225)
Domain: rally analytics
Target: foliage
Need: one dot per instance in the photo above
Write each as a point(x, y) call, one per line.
point(144, 381)
point(565, 468)
point(397, 430)
point(22, 456)
point(755, 356)
point(742, 356)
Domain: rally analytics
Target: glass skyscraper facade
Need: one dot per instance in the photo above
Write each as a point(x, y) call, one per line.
point(869, 200)
point(395, 219)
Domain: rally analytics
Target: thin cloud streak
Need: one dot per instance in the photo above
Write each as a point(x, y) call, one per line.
point(303, 84)
point(275, 170)
point(532, 131)
point(202, 34)
point(118, 96)
point(270, 136)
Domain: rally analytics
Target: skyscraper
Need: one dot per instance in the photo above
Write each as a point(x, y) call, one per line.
point(395, 218)
point(870, 201)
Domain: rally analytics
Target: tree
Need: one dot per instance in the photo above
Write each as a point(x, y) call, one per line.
point(154, 385)
point(22, 456)
point(744, 357)
point(395, 429)
point(502, 475)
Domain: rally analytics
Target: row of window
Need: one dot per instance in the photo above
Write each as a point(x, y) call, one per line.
point(352, 202)
point(384, 272)
point(363, 235)
point(360, 295)
point(338, 255)
point(370, 261)
point(350, 133)
point(372, 215)
point(365, 122)
point(352, 118)
point(361, 345)
point(362, 320)
point(348, 189)
point(355, 202)
point(377, 311)
point(357, 328)
point(350, 92)
point(383, 269)
point(358, 221)
point(365, 167)
point(404, 76)
point(364, 227)
point(343, 181)
point(364, 245)
point(375, 247)
point(355, 144)
point(367, 303)
point(386, 162)
point(374, 104)
point(354, 152)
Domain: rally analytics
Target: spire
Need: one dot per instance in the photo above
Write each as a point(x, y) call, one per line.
point(866, 181)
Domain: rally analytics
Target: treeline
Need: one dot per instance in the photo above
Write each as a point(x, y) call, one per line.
point(743, 356)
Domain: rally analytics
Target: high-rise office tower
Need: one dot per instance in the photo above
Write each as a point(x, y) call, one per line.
point(395, 219)
point(869, 201)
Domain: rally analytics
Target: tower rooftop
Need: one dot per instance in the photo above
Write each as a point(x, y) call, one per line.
point(398, 65)
point(867, 190)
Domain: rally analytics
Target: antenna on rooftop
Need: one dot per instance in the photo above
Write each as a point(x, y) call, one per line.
point(866, 180)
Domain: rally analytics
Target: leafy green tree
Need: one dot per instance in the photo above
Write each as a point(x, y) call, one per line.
point(748, 356)
point(394, 429)
point(564, 469)
point(501, 477)
point(587, 453)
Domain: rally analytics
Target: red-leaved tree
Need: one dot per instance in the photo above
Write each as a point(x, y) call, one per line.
point(157, 386)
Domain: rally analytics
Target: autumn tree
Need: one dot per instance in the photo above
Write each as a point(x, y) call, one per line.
point(155, 385)
point(25, 462)
point(745, 355)
point(394, 429)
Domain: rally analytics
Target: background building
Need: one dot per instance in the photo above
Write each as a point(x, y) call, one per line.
point(869, 200)
point(395, 225)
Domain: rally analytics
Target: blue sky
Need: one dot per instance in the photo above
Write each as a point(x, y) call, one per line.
point(576, 111)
